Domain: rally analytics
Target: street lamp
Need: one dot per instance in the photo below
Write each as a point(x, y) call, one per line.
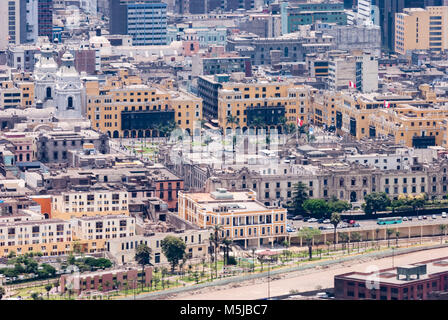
point(269, 279)
point(393, 255)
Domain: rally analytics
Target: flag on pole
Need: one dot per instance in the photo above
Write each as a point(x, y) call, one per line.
point(299, 122)
point(386, 104)
point(351, 84)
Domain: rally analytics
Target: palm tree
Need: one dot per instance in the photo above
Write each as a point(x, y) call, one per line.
point(397, 235)
point(308, 235)
point(344, 239)
point(356, 237)
point(143, 257)
point(443, 228)
point(377, 231)
point(389, 232)
point(335, 220)
point(47, 288)
point(216, 241)
point(226, 243)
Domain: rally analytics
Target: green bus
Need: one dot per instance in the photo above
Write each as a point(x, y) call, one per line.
point(391, 220)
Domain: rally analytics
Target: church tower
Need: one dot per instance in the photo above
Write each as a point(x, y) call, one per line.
point(45, 75)
point(68, 90)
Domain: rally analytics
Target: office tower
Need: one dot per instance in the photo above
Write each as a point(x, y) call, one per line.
point(421, 29)
point(45, 18)
point(12, 22)
point(144, 20)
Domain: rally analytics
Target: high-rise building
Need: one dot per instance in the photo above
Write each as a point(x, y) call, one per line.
point(12, 22)
point(387, 11)
point(368, 11)
point(45, 18)
point(144, 20)
point(421, 29)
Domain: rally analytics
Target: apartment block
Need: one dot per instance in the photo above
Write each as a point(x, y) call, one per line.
point(123, 249)
point(243, 219)
point(421, 29)
point(50, 237)
point(93, 232)
point(69, 204)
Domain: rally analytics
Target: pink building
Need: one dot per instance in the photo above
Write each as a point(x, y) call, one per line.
point(24, 146)
point(107, 279)
point(190, 47)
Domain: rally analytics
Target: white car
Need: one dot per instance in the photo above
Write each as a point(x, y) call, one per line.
point(327, 221)
point(312, 220)
point(443, 214)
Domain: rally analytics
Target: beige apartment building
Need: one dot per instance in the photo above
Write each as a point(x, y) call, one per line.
point(123, 249)
point(50, 237)
point(92, 233)
point(74, 204)
point(421, 29)
point(242, 218)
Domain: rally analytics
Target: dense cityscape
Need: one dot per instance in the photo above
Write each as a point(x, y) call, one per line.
point(222, 150)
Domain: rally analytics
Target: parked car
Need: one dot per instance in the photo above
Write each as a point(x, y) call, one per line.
point(296, 218)
point(410, 218)
point(352, 221)
point(312, 220)
point(306, 219)
point(321, 220)
point(434, 216)
point(327, 221)
point(405, 219)
point(420, 218)
point(322, 228)
point(443, 214)
point(425, 217)
point(355, 225)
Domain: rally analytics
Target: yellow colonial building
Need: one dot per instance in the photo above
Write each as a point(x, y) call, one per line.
point(124, 107)
point(263, 103)
point(242, 218)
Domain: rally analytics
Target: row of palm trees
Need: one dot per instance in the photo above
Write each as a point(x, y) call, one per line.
point(218, 242)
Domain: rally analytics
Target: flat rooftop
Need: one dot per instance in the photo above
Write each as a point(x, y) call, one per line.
point(389, 276)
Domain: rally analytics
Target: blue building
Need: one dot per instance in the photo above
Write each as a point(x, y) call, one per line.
point(206, 36)
point(299, 14)
point(144, 20)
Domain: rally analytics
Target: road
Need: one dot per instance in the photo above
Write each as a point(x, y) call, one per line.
point(303, 281)
point(371, 224)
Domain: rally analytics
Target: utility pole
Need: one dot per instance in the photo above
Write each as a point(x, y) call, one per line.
point(269, 279)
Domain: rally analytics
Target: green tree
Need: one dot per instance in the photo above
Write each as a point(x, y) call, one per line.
point(48, 288)
point(376, 201)
point(143, 258)
point(2, 292)
point(335, 220)
point(339, 206)
point(308, 235)
point(300, 195)
point(316, 207)
point(442, 228)
point(174, 250)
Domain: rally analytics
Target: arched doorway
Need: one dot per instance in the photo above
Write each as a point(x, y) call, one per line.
point(116, 134)
point(140, 133)
point(48, 93)
point(126, 134)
